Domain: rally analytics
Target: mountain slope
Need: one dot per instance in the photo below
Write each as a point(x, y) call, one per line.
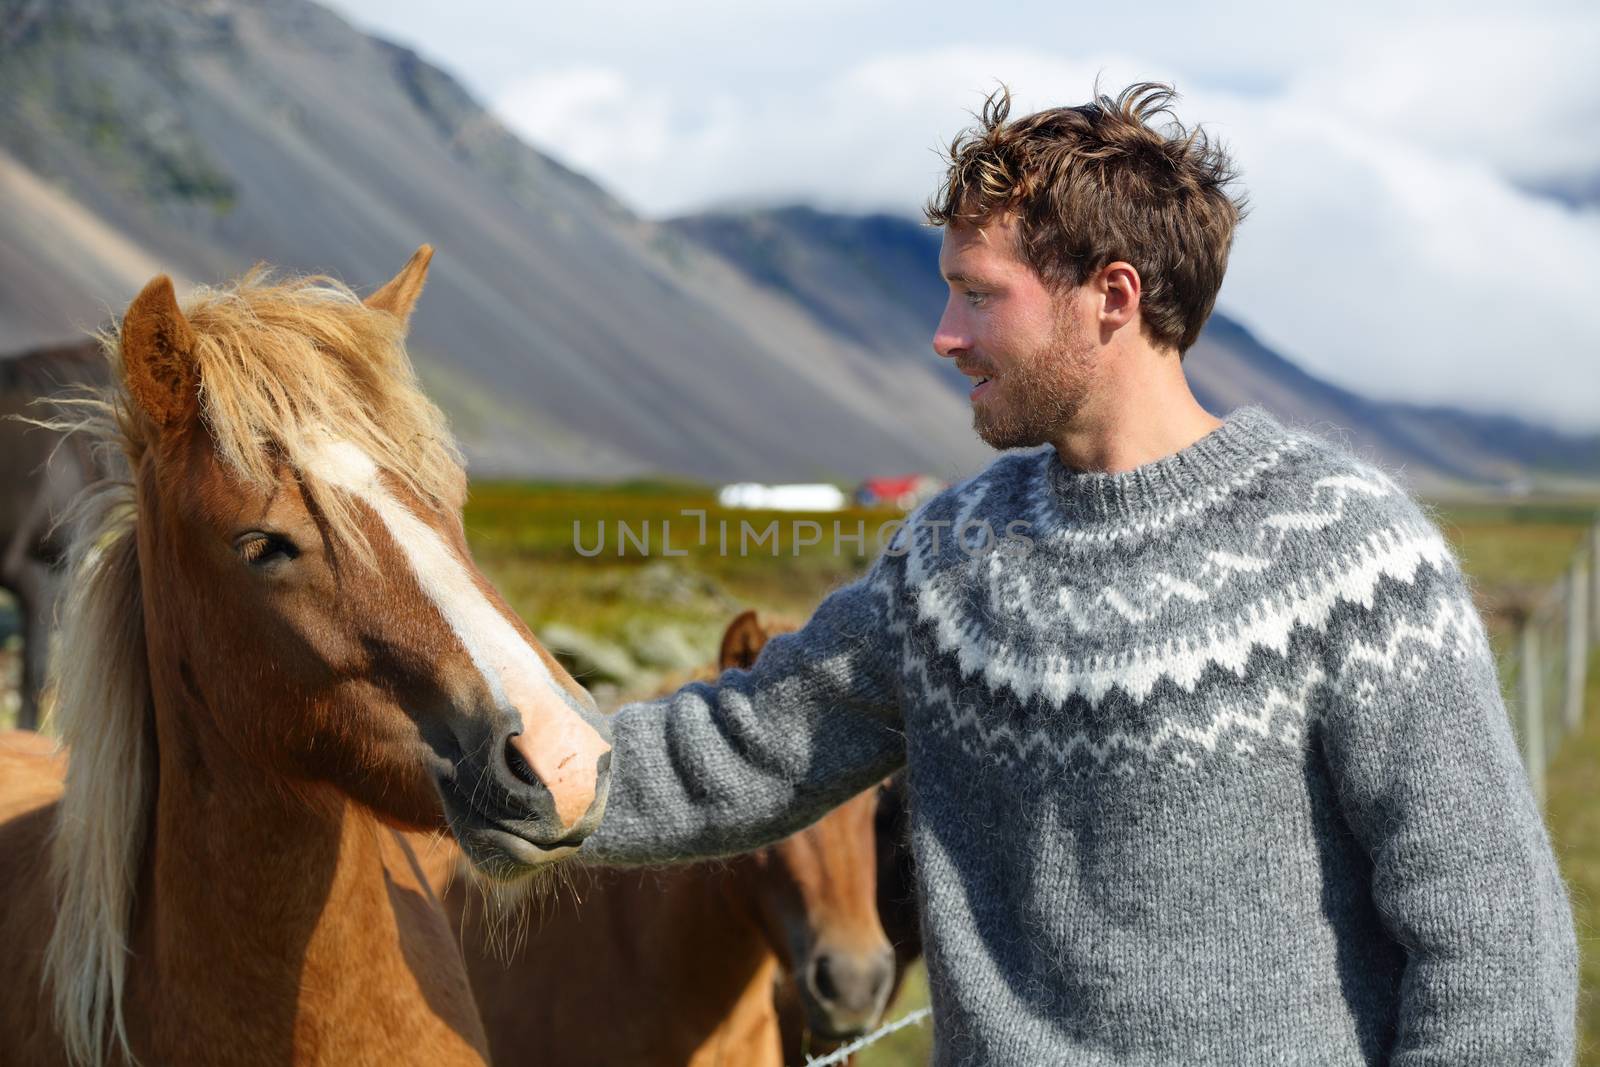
point(205, 136)
point(876, 277)
point(563, 335)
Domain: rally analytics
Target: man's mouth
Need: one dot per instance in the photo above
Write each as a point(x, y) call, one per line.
point(980, 386)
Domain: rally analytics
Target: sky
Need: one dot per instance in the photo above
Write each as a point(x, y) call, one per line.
point(1424, 184)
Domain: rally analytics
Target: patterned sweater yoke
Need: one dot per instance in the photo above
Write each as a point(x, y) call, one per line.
point(1207, 763)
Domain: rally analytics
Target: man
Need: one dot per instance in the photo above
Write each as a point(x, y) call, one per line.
point(1207, 756)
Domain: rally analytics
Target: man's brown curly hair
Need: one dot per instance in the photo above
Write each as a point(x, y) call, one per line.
point(1097, 183)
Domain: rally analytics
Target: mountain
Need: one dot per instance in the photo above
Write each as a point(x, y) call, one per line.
point(564, 335)
point(876, 278)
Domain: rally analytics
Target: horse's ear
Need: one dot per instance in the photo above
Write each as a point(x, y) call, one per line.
point(742, 642)
point(158, 358)
point(399, 295)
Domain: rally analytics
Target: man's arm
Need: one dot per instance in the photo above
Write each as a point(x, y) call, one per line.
point(1422, 756)
point(731, 765)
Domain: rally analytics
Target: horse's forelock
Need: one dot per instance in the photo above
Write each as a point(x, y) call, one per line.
point(284, 366)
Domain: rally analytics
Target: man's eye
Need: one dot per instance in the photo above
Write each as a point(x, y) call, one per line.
point(975, 298)
point(264, 549)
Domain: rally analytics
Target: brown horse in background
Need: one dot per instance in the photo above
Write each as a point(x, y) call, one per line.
point(897, 911)
point(897, 882)
point(676, 966)
point(42, 472)
point(276, 655)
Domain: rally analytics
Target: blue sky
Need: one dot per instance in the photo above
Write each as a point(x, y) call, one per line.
point(1403, 241)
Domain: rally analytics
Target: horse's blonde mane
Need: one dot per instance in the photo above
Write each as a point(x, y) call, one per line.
point(102, 713)
point(286, 366)
point(282, 366)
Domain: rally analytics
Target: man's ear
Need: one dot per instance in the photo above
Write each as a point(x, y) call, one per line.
point(158, 357)
point(399, 295)
point(1122, 288)
point(743, 642)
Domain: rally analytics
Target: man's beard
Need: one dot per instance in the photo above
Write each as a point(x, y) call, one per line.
point(1042, 393)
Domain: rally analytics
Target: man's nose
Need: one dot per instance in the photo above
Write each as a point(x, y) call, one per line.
point(948, 338)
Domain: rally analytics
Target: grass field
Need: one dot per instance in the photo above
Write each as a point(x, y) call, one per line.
point(524, 538)
point(576, 559)
point(538, 543)
point(1573, 815)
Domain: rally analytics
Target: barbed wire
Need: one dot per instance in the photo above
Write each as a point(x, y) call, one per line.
point(839, 1055)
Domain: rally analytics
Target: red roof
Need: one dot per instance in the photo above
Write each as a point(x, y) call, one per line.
point(891, 488)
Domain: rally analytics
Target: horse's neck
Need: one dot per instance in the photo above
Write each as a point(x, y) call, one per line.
point(725, 912)
point(748, 1033)
point(692, 927)
point(299, 930)
point(702, 928)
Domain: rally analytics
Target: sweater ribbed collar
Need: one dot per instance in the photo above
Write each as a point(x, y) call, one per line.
point(1220, 456)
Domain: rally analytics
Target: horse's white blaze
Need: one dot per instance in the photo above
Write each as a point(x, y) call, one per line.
point(515, 674)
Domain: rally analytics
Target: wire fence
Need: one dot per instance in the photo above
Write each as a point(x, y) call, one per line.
point(842, 1055)
point(1545, 672)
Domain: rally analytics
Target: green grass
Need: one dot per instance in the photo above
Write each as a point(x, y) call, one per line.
point(1510, 553)
point(912, 1045)
point(558, 555)
point(1574, 821)
point(1503, 546)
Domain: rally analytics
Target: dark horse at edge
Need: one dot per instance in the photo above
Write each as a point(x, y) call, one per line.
point(41, 472)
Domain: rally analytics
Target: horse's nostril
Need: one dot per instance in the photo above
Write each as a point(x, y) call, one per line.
point(851, 983)
point(823, 980)
point(884, 976)
point(519, 766)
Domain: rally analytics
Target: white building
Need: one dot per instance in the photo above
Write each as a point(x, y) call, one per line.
point(820, 497)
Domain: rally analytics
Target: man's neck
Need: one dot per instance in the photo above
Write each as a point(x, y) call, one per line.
point(1144, 411)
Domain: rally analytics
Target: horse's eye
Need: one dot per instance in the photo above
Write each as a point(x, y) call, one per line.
point(260, 549)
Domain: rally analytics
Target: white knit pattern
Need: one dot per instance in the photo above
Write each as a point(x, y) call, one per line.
point(1454, 630)
point(1396, 552)
point(1012, 587)
point(1234, 729)
point(1256, 608)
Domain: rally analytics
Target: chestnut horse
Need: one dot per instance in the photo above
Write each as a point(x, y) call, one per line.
point(276, 655)
point(897, 912)
point(676, 966)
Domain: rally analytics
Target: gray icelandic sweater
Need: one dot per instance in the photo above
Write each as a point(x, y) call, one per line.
point(1208, 764)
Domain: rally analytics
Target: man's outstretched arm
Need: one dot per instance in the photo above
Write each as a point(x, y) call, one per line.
point(1422, 755)
point(727, 766)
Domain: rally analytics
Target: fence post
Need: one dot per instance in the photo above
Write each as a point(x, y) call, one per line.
point(1577, 642)
point(1594, 581)
point(1533, 703)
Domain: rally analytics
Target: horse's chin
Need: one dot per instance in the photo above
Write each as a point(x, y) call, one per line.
point(834, 1025)
point(824, 1028)
point(497, 848)
point(501, 855)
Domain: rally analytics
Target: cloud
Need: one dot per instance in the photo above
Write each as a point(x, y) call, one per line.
point(602, 123)
point(1514, 90)
point(1393, 247)
point(1403, 272)
point(864, 137)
